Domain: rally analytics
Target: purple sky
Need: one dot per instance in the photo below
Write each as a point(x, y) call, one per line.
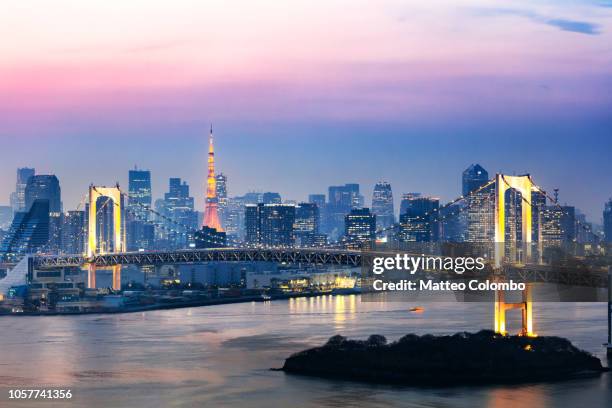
point(305, 95)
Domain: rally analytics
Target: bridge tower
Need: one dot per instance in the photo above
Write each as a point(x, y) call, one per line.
point(524, 185)
point(499, 325)
point(118, 240)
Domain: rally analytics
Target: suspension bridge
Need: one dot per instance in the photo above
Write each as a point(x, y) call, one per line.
point(528, 267)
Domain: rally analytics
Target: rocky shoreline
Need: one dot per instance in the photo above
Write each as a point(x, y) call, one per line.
point(463, 358)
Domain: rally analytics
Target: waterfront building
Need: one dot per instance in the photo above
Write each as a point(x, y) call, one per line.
point(210, 238)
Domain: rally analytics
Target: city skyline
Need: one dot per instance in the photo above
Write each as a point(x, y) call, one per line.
point(355, 91)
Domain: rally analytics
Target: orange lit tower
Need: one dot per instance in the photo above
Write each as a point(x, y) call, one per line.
point(211, 216)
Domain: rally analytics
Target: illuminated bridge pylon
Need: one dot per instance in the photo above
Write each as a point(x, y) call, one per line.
point(118, 237)
point(526, 307)
point(525, 186)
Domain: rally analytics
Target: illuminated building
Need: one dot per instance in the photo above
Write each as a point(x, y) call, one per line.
point(140, 193)
point(419, 222)
point(270, 224)
point(178, 209)
point(73, 232)
point(481, 215)
point(382, 205)
point(306, 226)
point(210, 238)
point(211, 216)
point(360, 226)
point(221, 189)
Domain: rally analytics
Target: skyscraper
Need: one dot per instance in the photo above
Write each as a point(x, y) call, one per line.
point(607, 218)
point(360, 226)
point(221, 189)
point(382, 205)
point(73, 232)
point(211, 216)
point(419, 223)
point(18, 197)
point(29, 231)
point(178, 207)
point(405, 202)
point(44, 187)
point(270, 224)
point(473, 177)
point(341, 200)
point(140, 193)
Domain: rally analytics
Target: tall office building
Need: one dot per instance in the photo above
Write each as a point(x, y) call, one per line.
point(44, 187)
point(406, 199)
point(341, 199)
point(140, 193)
point(74, 232)
point(29, 231)
point(474, 177)
point(221, 188)
point(307, 224)
point(18, 201)
point(234, 217)
point(419, 223)
point(382, 205)
point(558, 225)
point(270, 224)
point(481, 216)
point(178, 208)
point(607, 219)
point(360, 226)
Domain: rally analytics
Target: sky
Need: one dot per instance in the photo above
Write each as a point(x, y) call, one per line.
point(304, 94)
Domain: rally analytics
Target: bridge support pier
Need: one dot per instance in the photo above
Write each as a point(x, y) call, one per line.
point(91, 276)
point(526, 307)
point(116, 277)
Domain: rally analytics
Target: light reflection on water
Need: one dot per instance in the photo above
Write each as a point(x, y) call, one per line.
point(221, 355)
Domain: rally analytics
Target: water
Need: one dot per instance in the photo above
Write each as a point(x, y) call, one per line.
point(220, 355)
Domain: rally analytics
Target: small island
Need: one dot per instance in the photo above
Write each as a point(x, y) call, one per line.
point(463, 358)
